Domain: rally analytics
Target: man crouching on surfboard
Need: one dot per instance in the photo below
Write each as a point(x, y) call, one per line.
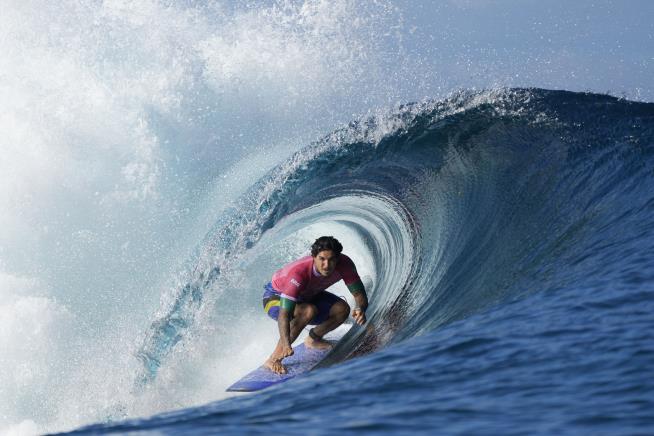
point(296, 297)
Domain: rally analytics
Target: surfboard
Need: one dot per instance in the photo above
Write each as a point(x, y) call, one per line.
point(303, 360)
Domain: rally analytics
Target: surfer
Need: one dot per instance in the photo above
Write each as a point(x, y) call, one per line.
point(296, 297)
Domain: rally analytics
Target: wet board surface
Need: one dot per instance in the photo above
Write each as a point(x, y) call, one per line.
point(303, 360)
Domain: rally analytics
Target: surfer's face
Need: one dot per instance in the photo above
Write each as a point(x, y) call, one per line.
point(325, 262)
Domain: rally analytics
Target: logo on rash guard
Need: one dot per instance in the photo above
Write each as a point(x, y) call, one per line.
point(295, 282)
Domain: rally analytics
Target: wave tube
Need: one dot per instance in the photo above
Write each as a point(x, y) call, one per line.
point(454, 205)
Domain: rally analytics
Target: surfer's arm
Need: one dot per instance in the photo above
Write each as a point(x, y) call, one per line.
point(361, 298)
point(354, 284)
point(286, 309)
point(358, 291)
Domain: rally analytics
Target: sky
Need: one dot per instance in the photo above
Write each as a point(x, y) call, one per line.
point(598, 45)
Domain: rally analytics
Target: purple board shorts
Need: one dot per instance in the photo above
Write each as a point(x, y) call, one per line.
point(323, 301)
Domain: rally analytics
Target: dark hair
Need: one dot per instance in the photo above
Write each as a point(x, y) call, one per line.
point(326, 243)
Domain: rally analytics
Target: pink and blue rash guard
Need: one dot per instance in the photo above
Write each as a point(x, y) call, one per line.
point(299, 280)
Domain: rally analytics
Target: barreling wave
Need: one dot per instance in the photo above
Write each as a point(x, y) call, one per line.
point(460, 204)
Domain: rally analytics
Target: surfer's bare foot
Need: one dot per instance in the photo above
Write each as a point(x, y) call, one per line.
point(275, 366)
point(317, 344)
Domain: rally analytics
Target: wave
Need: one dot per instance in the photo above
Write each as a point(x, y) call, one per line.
point(455, 205)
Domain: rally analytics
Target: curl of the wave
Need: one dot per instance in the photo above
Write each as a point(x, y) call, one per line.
point(445, 196)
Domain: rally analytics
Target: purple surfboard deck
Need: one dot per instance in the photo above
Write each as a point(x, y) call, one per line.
point(303, 360)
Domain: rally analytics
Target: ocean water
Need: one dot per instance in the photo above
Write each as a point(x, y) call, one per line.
point(172, 158)
point(510, 238)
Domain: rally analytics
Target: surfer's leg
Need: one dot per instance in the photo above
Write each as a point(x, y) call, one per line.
point(332, 312)
point(303, 313)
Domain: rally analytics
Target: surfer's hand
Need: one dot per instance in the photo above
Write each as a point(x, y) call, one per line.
point(359, 316)
point(286, 351)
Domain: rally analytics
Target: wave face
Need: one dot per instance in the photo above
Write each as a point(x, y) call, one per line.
point(506, 240)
